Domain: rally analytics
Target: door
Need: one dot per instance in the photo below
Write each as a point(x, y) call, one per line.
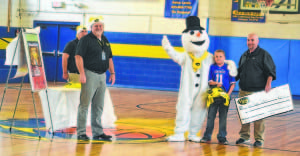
point(53, 37)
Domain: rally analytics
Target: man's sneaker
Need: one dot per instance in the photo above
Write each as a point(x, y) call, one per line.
point(205, 140)
point(223, 142)
point(176, 138)
point(83, 138)
point(241, 141)
point(257, 144)
point(103, 137)
point(194, 138)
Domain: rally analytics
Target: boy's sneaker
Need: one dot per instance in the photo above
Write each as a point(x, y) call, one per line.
point(194, 138)
point(205, 140)
point(257, 144)
point(176, 138)
point(241, 141)
point(223, 142)
point(103, 137)
point(83, 138)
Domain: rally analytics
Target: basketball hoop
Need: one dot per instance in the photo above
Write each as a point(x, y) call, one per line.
point(265, 6)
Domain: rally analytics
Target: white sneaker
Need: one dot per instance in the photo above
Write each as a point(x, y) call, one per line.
point(194, 138)
point(176, 138)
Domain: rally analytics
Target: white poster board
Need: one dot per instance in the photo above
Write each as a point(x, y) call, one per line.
point(261, 105)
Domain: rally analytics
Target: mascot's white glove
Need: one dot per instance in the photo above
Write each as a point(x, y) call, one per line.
point(176, 56)
point(232, 68)
point(166, 44)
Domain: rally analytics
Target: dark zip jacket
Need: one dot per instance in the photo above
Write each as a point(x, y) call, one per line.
point(254, 70)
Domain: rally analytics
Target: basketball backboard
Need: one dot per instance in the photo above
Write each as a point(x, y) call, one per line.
point(279, 6)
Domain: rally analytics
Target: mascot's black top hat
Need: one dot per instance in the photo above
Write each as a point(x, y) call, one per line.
point(192, 23)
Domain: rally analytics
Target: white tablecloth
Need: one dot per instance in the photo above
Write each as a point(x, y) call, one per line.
point(64, 106)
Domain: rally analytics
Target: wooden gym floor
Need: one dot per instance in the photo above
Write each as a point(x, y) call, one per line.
point(145, 118)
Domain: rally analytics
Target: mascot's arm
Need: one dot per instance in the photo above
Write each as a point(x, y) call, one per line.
point(176, 56)
point(232, 68)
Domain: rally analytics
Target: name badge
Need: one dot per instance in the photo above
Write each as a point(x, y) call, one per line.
point(103, 56)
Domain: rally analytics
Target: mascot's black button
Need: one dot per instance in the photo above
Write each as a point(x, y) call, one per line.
point(196, 85)
point(197, 64)
point(198, 75)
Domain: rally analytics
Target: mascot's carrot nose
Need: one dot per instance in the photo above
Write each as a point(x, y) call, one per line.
point(198, 34)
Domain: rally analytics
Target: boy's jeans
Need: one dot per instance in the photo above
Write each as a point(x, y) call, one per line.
point(212, 111)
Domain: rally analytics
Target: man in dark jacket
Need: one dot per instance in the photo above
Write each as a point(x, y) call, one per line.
point(256, 72)
point(70, 70)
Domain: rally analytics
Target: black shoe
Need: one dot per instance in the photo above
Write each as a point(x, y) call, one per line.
point(223, 142)
point(241, 141)
point(83, 138)
point(103, 137)
point(257, 144)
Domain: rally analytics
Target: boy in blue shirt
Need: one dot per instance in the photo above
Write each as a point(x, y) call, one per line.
point(219, 77)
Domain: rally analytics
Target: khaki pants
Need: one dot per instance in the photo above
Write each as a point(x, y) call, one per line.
point(74, 78)
point(259, 125)
point(92, 93)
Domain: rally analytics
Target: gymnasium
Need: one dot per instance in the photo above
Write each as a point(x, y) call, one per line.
point(145, 93)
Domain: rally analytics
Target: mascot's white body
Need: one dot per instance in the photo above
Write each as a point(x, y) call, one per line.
point(191, 104)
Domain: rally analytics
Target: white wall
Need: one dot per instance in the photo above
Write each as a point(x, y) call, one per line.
point(147, 16)
point(4, 13)
point(140, 16)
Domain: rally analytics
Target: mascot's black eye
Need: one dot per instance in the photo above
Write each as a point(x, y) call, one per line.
point(192, 32)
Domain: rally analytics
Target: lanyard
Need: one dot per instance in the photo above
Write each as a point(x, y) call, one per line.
point(100, 43)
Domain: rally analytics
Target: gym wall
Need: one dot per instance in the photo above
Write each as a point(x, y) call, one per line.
point(135, 29)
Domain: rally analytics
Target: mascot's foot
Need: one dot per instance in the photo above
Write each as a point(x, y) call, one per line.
point(194, 138)
point(176, 138)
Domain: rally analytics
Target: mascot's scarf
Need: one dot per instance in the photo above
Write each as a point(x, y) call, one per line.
point(197, 61)
point(217, 92)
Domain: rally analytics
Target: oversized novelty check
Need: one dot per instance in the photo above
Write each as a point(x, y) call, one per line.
point(261, 104)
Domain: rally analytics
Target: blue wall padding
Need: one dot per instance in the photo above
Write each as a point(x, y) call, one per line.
point(4, 73)
point(5, 34)
point(147, 73)
point(279, 50)
point(294, 67)
point(164, 74)
point(215, 42)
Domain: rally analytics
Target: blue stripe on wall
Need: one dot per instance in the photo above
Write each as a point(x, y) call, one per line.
point(150, 73)
point(4, 33)
point(294, 67)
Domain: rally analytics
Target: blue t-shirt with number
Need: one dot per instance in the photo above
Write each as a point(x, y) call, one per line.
point(221, 74)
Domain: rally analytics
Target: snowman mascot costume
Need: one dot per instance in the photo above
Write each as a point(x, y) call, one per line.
point(195, 63)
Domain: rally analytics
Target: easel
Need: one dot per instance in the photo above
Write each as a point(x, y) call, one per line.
point(20, 88)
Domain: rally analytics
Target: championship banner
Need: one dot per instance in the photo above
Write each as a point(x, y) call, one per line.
point(262, 105)
point(245, 16)
point(34, 59)
point(181, 8)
